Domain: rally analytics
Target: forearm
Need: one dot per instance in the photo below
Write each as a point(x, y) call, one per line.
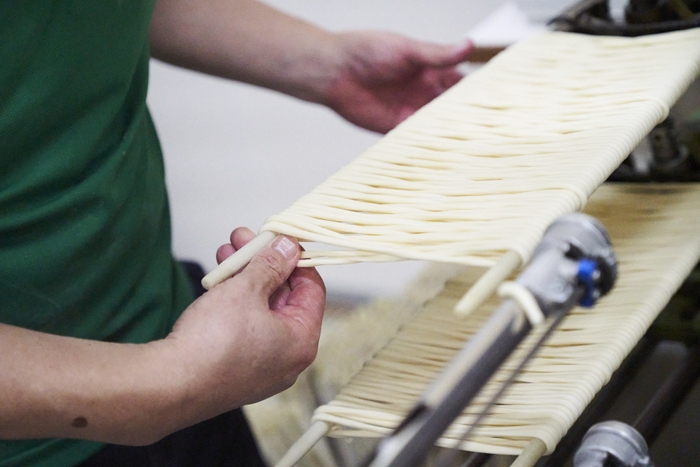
point(55, 386)
point(227, 349)
point(247, 41)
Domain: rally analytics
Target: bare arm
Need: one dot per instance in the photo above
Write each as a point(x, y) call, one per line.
point(247, 41)
point(245, 340)
point(57, 386)
point(373, 79)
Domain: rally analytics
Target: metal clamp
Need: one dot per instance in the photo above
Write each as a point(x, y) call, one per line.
point(613, 443)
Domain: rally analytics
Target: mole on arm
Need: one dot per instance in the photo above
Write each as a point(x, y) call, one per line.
point(79, 422)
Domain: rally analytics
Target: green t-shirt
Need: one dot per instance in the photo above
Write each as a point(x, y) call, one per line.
point(84, 221)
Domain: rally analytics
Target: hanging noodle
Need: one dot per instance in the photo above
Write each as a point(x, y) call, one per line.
point(654, 233)
point(488, 165)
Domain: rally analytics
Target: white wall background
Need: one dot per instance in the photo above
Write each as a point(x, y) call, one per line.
point(236, 154)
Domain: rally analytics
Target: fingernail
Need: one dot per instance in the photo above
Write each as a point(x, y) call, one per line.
point(285, 246)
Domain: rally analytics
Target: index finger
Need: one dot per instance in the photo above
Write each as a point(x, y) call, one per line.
point(307, 298)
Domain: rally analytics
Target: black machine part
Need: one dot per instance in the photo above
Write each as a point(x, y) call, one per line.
point(642, 17)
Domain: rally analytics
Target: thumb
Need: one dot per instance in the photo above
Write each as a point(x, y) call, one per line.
point(438, 55)
point(272, 265)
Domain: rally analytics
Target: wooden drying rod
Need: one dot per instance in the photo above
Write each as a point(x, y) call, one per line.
point(484, 54)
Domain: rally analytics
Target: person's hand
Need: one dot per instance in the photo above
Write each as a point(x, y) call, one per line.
point(373, 79)
point(244, 340)
point(251, 336)
point(385, 77)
